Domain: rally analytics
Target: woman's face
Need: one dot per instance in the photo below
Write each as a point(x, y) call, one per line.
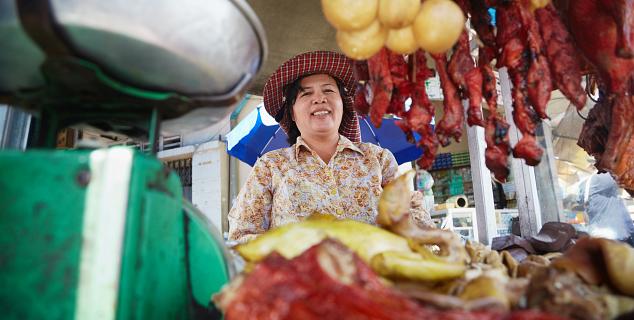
point(318, 108)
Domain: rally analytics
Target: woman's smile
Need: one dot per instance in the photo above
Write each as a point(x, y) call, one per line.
point(321, 113)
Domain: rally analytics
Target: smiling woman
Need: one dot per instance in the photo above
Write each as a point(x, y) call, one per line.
point(315, 93)
point(326, 170)
point(317, 113)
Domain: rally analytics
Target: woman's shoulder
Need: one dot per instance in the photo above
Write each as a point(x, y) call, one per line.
point(382, 156)
point(370, 149)
point(277, 157)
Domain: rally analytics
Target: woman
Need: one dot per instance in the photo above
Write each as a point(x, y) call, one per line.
point(326, 169)
point(607, 215)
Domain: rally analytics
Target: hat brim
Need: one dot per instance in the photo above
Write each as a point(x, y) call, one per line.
point(334, 64)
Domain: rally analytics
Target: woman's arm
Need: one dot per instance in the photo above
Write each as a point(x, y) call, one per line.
point(251, 212)
point(416, 210)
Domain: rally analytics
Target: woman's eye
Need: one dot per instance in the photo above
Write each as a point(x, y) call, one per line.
point(305, 93)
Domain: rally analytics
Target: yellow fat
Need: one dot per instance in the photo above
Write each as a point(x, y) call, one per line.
point(619, 260)
point(293, 239)
point(395, 199)
point(409, 265)
point(485, 287)
point(538, 4)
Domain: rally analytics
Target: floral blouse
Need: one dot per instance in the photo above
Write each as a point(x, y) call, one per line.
point(288, 185)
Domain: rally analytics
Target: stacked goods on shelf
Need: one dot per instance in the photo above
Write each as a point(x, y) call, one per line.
point(450, 160)
point(441, 184)
point(452, 181)
point(442, 161)
point(460, 159)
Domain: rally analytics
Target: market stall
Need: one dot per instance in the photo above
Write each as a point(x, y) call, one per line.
point(105, 233)
point(535, 54)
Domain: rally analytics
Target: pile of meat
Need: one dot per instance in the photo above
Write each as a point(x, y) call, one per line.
point(324, 268)
point(328, 281)
point(541, 55)
point(591, 281)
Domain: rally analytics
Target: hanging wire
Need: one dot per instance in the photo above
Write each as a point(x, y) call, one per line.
point(580, 115)
point(591, 85)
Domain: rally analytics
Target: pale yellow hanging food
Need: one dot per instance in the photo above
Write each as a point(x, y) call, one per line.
point(349, 15)
point(438, 25)
point(397, 14)
point(401, 40)
point(364, 43)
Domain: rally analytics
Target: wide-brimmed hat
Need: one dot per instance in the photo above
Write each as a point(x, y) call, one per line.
point(334, 64)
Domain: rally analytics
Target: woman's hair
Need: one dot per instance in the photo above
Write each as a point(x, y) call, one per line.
point(290, 95)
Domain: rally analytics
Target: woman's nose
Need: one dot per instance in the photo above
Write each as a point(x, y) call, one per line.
point(319, 98)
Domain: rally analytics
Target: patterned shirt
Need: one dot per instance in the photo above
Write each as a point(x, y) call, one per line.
point(288, 185)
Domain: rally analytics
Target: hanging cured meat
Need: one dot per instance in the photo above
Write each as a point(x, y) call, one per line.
point(402, 86)
point(563, 59)
point(496, 128)
point(450, 126)
point(468, 79)
point(423, 109)
point(381, 84)
point(516, 38)
point(542, 45)
point(604, 31)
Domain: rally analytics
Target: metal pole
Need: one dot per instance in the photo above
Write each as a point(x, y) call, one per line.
point(14, 128)
point(233, 162)
point(549, 195)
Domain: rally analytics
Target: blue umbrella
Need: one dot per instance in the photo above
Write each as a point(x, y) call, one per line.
point(258, 134)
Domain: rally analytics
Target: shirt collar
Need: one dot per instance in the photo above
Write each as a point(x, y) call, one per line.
point(343, 143)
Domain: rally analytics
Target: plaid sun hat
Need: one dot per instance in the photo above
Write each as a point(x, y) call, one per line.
point(334, 64)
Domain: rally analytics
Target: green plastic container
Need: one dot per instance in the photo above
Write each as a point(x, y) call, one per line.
point(102, 234)
point(456, 185)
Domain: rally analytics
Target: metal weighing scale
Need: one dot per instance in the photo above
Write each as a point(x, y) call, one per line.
point(105, 233)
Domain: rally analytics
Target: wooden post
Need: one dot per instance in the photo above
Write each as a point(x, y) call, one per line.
point(482, 188)
point(523, 175)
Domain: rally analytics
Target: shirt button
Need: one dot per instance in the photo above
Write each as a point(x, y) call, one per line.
point(339, 211)
point(333, 191)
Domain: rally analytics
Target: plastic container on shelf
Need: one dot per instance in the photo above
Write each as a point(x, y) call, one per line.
point(456, 185)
